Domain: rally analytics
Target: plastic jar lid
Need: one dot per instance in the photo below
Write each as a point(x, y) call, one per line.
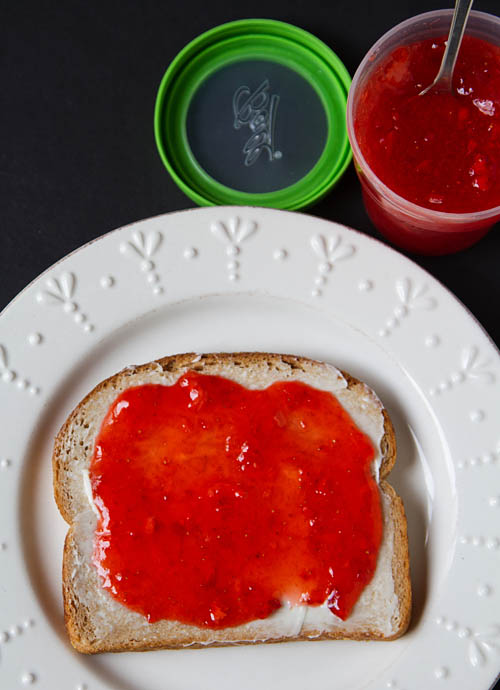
point(253, 112)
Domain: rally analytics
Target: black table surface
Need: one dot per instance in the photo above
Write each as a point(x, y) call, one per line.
point(78, 157)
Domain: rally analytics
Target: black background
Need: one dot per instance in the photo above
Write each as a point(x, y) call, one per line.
point(78, 158)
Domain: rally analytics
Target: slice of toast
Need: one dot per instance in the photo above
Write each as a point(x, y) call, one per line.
point(96, 622)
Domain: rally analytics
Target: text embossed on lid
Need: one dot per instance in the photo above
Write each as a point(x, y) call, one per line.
point(257, 110)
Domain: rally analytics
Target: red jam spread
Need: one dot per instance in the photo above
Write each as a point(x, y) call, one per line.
point(440, 150)
point(217, 503)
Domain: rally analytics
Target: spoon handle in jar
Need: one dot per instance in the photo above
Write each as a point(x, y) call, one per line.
point(460, 16)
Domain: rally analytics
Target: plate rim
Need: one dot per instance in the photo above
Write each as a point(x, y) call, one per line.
point(241, 211)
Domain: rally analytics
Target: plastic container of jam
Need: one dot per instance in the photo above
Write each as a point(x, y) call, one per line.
point(407, 224)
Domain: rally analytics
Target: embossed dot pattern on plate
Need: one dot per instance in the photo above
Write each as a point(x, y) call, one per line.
point(329, 250)
point(232, 232)
point(412, 296)
point(472, 368)
point(143, 246)
point(60, 292)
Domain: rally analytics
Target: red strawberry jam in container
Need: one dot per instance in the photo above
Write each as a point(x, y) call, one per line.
point(429, 165)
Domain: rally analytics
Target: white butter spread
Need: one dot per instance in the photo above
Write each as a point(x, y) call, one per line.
point(88, 492)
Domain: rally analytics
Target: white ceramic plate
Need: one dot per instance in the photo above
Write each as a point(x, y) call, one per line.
point(252, 279)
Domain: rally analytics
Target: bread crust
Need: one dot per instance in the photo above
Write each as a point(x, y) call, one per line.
point(74, 445)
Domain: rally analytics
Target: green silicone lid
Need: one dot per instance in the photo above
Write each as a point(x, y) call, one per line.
point(253, 112)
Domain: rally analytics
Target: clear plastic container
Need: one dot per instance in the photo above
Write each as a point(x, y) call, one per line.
point(411, 227)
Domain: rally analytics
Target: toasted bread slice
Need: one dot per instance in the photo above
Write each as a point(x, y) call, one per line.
point(96, 622)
